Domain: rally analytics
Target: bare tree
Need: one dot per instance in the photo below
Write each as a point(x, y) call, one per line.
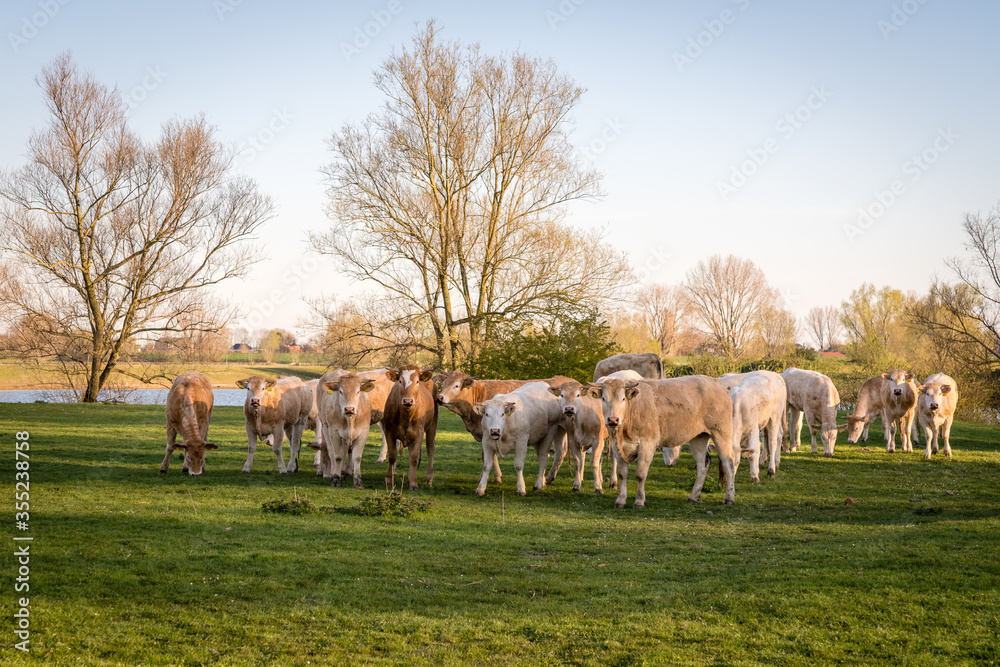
point(664, 310)
point(823, 324)
point(450, 198)
point(776, 331)
point(728, 295)
point(110, 238)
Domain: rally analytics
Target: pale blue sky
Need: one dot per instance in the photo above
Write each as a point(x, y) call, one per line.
point(677, 131)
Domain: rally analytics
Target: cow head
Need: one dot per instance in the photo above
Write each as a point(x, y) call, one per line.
point(257, 389)
point(494, 413)
point(410, 379)
point(615, 395)
point(569, 395)
point(932, 395)
point(455, 387)
point(855, 427)
point(194, 454)
point(350, 387)
point(898, 379)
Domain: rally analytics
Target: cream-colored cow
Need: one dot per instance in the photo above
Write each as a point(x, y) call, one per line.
point(938, 397)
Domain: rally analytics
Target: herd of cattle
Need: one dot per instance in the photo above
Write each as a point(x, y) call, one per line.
point(627, 406)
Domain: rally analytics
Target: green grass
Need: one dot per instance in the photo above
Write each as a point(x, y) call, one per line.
point(126, 571)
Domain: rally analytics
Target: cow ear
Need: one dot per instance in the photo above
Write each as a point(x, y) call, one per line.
point(367, 385)
point(467, 382)
point(211, 445)
point(270, 383)
point(392, 374)
point(885, 376)
point(242, 384)
point(478, 409)
point(439, 378)
point(841, 427)
point(181, 445)
point(631, 392)
point(922, 388)
point(946, 389)
point(555, 391)
point(509, 408)
point(593, 390)
point(425, 375)
point(909, 376)
point(331, 387)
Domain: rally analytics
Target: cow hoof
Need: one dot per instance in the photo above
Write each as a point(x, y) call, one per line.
point(638, 506)
point(926, 458)
point(380, 459)
point(335, 481)
point(729, 501)
point(576, 489)
point(755, 480)
point(619, 506)
point(359, 485)
point(413, 487)
point(770, 473)
point(480, 494)
point(162, 471)
point(522, 493)
point(692, 500)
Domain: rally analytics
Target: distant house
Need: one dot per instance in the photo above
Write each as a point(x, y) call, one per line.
point(242, 347)
point(833, 353)
point(290, 348)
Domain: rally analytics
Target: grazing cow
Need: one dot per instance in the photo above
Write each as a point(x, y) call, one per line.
point(410, 415)
point(274, 409)
point(459, 392)
point(814, 395)
point(346, 417)
point(936, 411)
point(644, 416)
point(899, 407)
point(760, 402)
point(646, 364)
point(527, 416)
point(866, 410)
point(585, 429)
point(189, 411)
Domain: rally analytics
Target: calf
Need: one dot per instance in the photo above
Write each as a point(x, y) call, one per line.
point(866, 410)
point(189, 411)
point(529, 416)
point(936, 411)
point(646, 364)
point(759, 403)
point(585, 429)
point(812, 394)
point(460, 392)
point(670, 454)
point(899, 404)
point(410, 415)
point(346, 417)
point(274, 409)
point(644, 416)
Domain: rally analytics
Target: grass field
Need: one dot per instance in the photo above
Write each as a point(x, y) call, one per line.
point(129, 567)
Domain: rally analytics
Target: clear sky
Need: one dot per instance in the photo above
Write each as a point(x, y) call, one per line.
point(753, 127)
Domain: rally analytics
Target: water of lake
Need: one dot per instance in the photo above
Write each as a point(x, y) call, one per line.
point(138, 396)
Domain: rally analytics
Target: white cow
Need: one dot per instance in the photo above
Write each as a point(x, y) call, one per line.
point(529, 416)
point(899, 407)
point(346, 417)
point(759, 402)
point(936, 411)
point(814, 395)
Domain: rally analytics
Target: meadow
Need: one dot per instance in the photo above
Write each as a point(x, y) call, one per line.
point(130, 567)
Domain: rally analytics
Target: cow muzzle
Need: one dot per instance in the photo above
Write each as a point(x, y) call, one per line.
point(569, 411)
point(495, 433)
point(440, 399)
point(408, 402)
point(934, 406)
point(254, 402)
point(897, 392)
point(613, 421)
point(350, 410)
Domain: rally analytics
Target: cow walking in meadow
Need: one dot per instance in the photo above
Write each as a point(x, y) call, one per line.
point(938, 397)
point(345, 415)
point(410, 418)
point(899, 408)
point(814, 396)
point(644, 416)
point(527, 417)
point(189, 411)
point(274, 409)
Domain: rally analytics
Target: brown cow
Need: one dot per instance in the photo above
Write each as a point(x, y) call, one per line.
point(460, 391)
point(410, 415)
point(189, 411)
point(866, 410)
point(274, 409)
point(899, 408)
point(645, 416)
point(345, 415)
point(585, 430)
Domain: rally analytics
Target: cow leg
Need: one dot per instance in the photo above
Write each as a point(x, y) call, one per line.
point(496, 470)
point(171, 440)
point(642, 463)
point(699, 449)
point(357, 449)
point(325, 469)
point(543, 459)
point(295, 443)
point(795, 430)
point(579, 460)
point(559, 454)
point(930, 433)
point(810, 420)
point(670, 455)
point(385, 445)
point(774, 448)
point(414, 450)
point(864, 433)
point(622, 478)
point(596, 463)
point(489, 460)
point(390, 471)
point(520, 454)
point(754, 443)
point(251, 448)
point(338, 454)
point(946, 434)
point(890, 435)
point(279, 434)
